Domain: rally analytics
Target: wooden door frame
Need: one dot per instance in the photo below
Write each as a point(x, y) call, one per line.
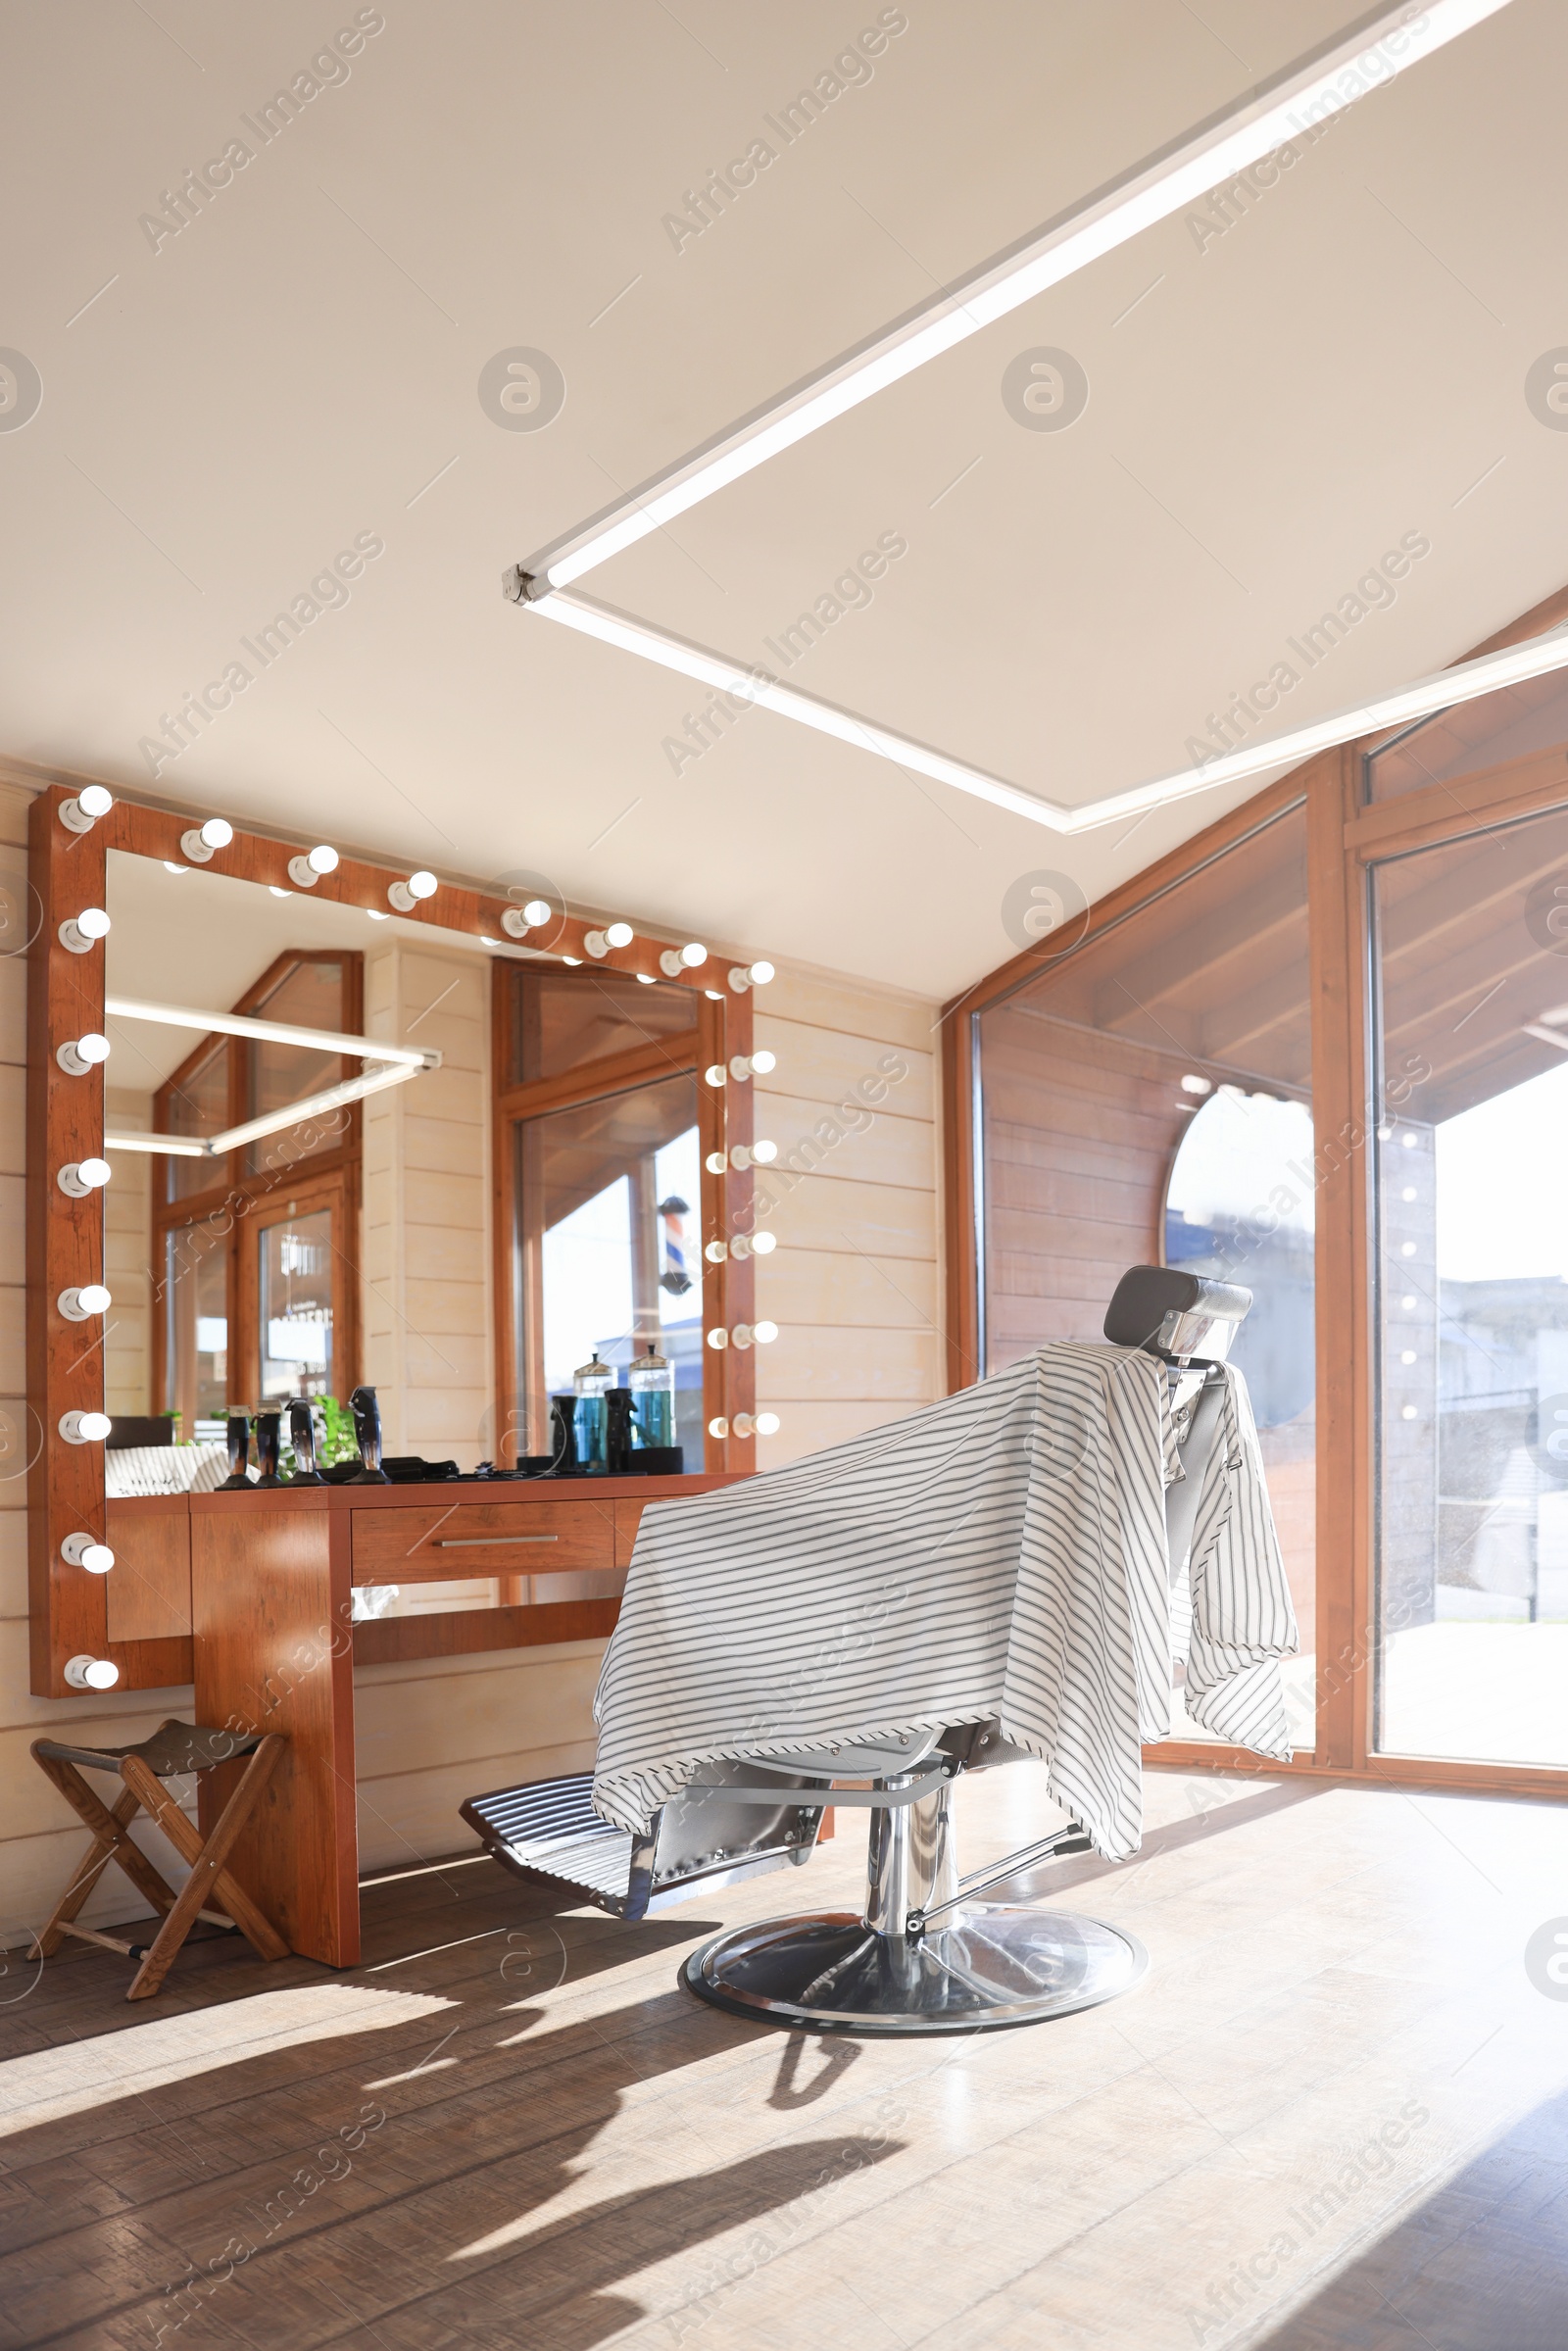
point(1347, 835)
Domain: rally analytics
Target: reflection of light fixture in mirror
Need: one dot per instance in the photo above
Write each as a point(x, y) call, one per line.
point(201, 841)
point(719, 1338)
point(84, 1428)
point(85, 1550)
point(170, 867)
point(80, 815)
point(405, 895)
point(81, 1305)
point(92, 1673)
point(676, 960)
point(716, 1164)
point(276, 890)
point(716, 1251)
point(376, 915)
point(718, 1427)
point(714, 1074)
point(308, 870)
point(80, 1178)
point(573, 960)
point(81, 1054)
point(397, 1065)
point(1192, 1083)
point(81, 932)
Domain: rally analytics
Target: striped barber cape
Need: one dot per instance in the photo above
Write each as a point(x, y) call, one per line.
point(1000, 1553)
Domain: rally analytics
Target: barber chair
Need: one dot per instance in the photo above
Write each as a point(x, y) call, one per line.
point(926, 1955)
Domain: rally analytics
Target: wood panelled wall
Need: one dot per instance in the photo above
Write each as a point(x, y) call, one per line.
point(1080, 1132)
point(855, 1284)
point(424, 1235)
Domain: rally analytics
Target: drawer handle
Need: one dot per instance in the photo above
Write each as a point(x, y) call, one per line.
point(465, 1543)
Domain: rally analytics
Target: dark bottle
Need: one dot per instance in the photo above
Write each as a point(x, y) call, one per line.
point(562, 1437)
point(368, 1429)
point(239, 1452)
point(268, 1438)
point(302, 1436)
point(618, 1431)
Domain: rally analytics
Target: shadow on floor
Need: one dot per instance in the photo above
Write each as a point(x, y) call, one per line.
point(1481, 2266)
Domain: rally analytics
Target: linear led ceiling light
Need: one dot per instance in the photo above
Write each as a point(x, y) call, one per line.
point(1382, 43)
point(395, 1065)
point(1511, 667)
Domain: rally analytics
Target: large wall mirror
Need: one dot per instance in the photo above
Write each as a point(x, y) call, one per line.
point(338, 1126)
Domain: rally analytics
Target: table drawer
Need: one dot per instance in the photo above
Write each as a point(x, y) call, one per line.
point(432, 1540)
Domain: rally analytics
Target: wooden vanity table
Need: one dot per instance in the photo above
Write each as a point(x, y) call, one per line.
point(265, 1582)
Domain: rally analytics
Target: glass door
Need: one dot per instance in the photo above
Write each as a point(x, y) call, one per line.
point(1471, 1259)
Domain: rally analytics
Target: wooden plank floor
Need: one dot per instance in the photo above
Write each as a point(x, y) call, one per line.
point(1335, 2115)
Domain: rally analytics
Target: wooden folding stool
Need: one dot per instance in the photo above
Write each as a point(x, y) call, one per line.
point(173, 1749)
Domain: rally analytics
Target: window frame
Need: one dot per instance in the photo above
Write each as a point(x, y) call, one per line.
point(1346, 836)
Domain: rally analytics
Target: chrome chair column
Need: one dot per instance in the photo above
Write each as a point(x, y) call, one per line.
point(923, 1958)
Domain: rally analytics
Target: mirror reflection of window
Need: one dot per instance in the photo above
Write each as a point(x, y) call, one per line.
point(294, 1306)
point(196, 1329)
point(610, 1247)
point(311, 994)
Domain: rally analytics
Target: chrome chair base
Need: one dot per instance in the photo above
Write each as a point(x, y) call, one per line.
point(988, 1964)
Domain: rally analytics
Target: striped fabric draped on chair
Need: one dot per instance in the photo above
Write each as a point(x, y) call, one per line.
point(1000, 1553)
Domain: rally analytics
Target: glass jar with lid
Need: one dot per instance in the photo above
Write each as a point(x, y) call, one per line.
point(652, 1381)
point(591, 1383)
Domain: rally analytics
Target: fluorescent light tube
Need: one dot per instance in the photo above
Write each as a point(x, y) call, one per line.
point(1511, 667)
point(1384, 42)
point(271, 1032)
point(292, 1114)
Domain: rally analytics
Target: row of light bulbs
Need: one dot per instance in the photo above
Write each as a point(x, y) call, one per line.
point(199, 844)
point(743, 1335)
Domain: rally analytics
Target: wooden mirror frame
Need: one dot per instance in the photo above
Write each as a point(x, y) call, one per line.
point(67, 872)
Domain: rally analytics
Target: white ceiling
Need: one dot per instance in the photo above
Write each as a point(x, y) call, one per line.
point(1336, 370)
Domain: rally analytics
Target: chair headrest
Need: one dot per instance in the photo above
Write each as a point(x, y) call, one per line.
point(1177, 1317)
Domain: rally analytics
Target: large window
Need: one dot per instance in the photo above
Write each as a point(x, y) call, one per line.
point(1147, 1100)
point(1472, 1296)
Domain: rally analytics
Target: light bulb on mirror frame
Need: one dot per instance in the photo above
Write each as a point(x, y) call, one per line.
point(91, 1673)
point(80, 933)
point(81, 1303)
point(79, 1054)
point(619, 934)
point(80, 815)
point(715, 1163)
point(202, 840)
point(84, 1428)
